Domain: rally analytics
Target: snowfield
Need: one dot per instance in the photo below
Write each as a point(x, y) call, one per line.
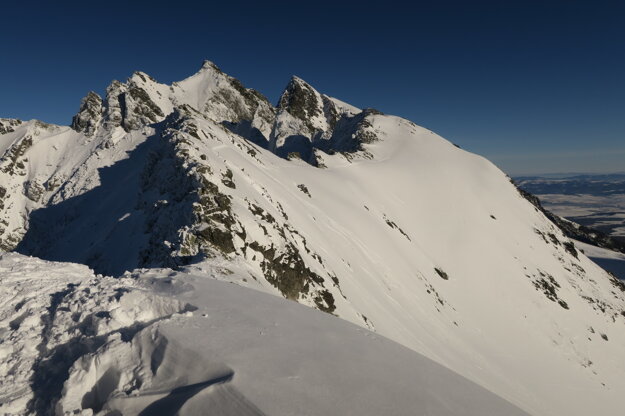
point(165, 343)
point(358, 214)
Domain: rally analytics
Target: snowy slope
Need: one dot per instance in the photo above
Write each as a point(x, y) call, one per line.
point(518, 313)
point(163, 344)
point(356, 213)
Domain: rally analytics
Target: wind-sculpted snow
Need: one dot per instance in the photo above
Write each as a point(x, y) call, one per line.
point(158, 343)
point(51, 314)
point(363, 215)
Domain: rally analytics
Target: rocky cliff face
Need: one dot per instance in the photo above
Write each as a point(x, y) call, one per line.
point(306, 121)
point(89, 115)
point(7, 125)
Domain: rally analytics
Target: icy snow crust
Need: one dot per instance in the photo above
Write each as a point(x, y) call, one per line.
point(382, 223)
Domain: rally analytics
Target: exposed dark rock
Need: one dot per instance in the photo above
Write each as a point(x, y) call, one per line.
point(396, 227)
point(89, 114)
point(33, 190)
point(548, 285)
point(113, 105)
point(319, 124)
point(300, 100)
point(441, 273)
point(7, 125)
point(138, 109)
point(129, 106)
point(570, 248)
point(14, 157)
point(287, 271)
point(350, 134)
point(226, 179)
point(304, 189)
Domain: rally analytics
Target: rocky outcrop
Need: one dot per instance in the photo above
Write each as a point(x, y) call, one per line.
point(309, 121)
point(13, 162)
point(8, 125)
point(351, 133)
point(244, 111)
point(89, 114)
point(130, 106)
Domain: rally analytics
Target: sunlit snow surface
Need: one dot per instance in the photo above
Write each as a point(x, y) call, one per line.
point(415, 239)
point(158, 344)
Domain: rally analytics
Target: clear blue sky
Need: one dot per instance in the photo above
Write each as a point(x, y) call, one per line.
point(535, 86)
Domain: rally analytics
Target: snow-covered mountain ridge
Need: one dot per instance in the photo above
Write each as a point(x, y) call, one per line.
point(364, 215)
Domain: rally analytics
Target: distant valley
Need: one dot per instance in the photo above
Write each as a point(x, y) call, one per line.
point(596, 201)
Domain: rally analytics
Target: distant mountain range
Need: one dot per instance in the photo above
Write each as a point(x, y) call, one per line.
point(596, 185)
point(617, 176)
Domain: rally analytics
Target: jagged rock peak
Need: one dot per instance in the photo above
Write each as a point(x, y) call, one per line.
point(89, 114)
point(113, 110)
point(129, 105)
point(308, 120)
point(139, 75)
point(299, 98)
point(306, 104)
point(298, 81)
point(209, 65)
point(317, 113)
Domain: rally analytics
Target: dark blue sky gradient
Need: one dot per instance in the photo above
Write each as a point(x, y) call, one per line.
point(535, 86)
